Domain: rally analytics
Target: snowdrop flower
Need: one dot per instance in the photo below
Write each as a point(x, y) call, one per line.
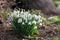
point(14, 11)
point(33, 15)
point(40, 24)
point(23, 39)
point(35, 27)
point(29, 36)
point(23, 23)
point(19, 20)
point(39, 16)
point(36, 16)
point(16, 16)
point(34, 22)
point(39, 21)
point(22, 11)
point(26, 13)
point(29, 14)
point(18, 12)
point(29, 23)
point(26, 21)
point(29, 17)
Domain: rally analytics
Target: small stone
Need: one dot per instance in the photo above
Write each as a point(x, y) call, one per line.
point(0, 22)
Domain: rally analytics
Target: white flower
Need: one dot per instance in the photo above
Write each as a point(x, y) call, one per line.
point(19, 20)
point(39, 16)
point(40, 24)
point(22, 11)
point(29, 17)
point(26, 21)
point(17, 16)
point(29, 14)
point(18, 11)
point(23, 39)
point(29, 23)
point(39, 20)
point(34, 22)
point(26, 13)
point(23, 16)
point(14, 11)
point(33, 15)
point(23, 23)
point(36, 17)
point(29, 36)
point(35, 27)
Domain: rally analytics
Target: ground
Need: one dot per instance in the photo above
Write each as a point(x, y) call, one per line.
point(45, 31)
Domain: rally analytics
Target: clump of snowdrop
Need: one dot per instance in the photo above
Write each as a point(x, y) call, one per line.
point(25, 22)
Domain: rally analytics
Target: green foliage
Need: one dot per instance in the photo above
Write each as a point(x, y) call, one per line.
point(54, 19)
point(54, 38)
point(44, 19)
point(5, 13)
point(57, 2)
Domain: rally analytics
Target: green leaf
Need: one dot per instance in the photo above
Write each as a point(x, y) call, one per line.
point(54, 19)
point(55, 38)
